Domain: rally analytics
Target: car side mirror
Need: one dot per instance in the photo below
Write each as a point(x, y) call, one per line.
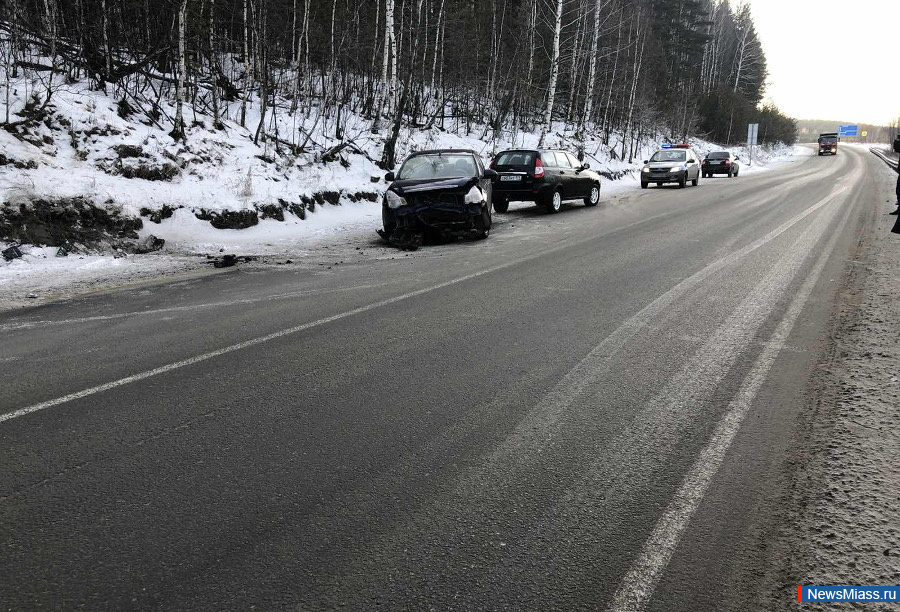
point(389, 177)
point(490, 174)
point(585, 165)
point(645, 161)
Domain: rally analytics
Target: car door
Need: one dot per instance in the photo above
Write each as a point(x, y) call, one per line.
point(552, 172)
point(693, 165)
point(567, 179)
point(581, 177)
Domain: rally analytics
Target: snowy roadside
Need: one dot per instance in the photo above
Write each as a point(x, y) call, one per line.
point(845, 528)
point(39, 276)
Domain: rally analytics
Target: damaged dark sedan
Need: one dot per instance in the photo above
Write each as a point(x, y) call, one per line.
point(442, 193)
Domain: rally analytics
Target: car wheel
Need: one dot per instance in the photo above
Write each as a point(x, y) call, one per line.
point(644, 184)
point(594, 198)
point(483, 224)
point(501, 205)
point(682, 181)
point(736, 173)
point(696, 181)
point(555, 203)
point(387, 220)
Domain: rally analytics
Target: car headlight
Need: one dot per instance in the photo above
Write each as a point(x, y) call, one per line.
point(474, 196)
point(394, 200)
point(645, 169)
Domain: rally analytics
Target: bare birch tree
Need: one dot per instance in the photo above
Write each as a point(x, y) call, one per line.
point(554, 74)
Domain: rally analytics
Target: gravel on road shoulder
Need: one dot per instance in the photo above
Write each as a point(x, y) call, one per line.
point(843, 525)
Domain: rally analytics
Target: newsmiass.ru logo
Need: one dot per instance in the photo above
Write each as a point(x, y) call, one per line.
point(809, 594)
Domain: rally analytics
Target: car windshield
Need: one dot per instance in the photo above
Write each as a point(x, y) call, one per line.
point(438, 165)
point(828, 139)
point(669, 156)
point(718, 155)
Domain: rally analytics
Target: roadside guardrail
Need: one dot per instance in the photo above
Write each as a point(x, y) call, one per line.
point(886, 158)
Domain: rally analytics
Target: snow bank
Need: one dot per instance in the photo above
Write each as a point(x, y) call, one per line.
point(89, 146)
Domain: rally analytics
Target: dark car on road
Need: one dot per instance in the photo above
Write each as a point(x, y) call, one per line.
point(721, 162)
point(443, 193)
point(544, 176)
point(671, 164)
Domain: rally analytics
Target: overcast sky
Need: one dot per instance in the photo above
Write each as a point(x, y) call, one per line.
point(832, 59)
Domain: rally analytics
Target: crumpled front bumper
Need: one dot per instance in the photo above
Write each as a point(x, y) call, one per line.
point(443, 216)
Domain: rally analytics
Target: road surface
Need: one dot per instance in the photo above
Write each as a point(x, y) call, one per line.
point(588, 411)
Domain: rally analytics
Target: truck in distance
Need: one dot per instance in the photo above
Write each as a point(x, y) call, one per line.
point(828, 143)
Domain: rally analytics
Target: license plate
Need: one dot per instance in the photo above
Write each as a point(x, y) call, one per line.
point(510, 177)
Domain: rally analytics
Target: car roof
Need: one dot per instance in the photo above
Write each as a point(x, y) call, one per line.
point(436, 151)
point(534, 151)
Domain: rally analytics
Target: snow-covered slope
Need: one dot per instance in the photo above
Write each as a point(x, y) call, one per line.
point(88, 148)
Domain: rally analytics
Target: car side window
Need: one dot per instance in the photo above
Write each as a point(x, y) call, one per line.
point(549, 159)
point(573, 160)
point(562, 160)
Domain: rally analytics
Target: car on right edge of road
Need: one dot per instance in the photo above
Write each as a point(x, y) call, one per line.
point(721, 162)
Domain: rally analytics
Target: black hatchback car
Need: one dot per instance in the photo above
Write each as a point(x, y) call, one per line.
point(444, 192)
point(544, 176)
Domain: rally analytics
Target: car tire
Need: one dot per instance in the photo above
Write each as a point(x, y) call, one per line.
point(696, 181)
point(644, 184)
point(501, 205)
point(554, 204)
point(736, 173)
point(594, 198)
point(682, 181)
point(483, 224)
point(387, 222)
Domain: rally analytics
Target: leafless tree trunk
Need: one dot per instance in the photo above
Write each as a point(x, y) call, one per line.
point(105, 27)
point(247, 74)
point(592, 68)
point(178, 132)
point(554, 74)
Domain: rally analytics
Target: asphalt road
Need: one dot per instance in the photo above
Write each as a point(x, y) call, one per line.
point(587, 411)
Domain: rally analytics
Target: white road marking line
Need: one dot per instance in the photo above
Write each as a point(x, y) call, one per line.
point(637, 586)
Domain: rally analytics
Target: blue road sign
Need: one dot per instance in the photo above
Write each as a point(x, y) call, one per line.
point(848, 130)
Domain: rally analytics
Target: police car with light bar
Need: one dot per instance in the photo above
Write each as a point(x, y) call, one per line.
point(672, 163)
